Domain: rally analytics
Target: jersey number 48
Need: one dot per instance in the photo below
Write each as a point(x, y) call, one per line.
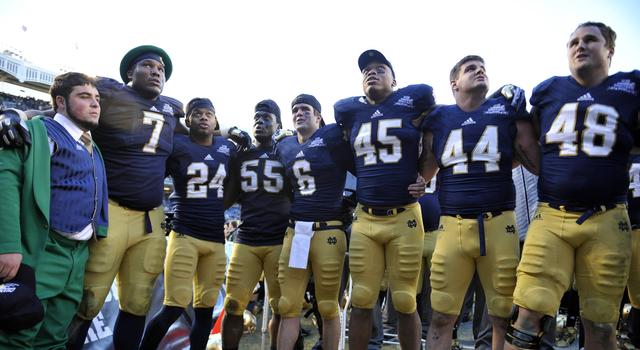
point(598, 135)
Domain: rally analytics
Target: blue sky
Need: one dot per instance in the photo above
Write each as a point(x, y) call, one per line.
point(239, 52)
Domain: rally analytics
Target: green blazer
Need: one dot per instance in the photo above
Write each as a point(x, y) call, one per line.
point(25, 196)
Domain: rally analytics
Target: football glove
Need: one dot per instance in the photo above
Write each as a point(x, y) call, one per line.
point(13, 131)
point(282, 133)
point(514, 94)
point(240, 137)
point(167, 224)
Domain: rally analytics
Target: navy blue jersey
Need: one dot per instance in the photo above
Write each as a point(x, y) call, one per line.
point(264, 197)
point(316, 170)
point(135, 136)
point(474, 151)
point(430, 206)
point(199, 173)
point(385, 143)
point(586, 135)
point(634, 191)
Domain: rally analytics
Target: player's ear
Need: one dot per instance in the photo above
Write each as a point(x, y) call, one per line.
point(130, 74)
point(217, 127)
point(187, 121)
point(454, 85)
point(61, 102)
point(394, 83)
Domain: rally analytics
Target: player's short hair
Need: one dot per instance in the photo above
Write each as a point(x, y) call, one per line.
point(456, 69)
point(607, 32)
point(63, 84)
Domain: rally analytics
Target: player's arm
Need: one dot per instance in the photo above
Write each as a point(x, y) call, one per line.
point(526, 147)
point(427, 166)
point(636, 135)
point(417, 122)
point(11, 174)
point(527, 150)
point(30, 113)
point(13, 130)
point(241, 138)
point(232, 185)
point(417, 188)
point(182, 129)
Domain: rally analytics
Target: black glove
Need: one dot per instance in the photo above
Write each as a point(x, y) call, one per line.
point(514, 94)
point(349, 203)
point(13, 134)
point(282, 133)
point(167, 224)
point(241, 138)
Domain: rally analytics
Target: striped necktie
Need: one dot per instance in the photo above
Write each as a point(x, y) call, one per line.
point(86, 141)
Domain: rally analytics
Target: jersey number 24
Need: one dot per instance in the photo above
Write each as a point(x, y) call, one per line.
point(197, 186)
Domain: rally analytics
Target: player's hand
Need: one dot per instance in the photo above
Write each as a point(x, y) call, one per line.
point(512, 93)
point(9, 265)
point(240, 137)
point(417, 189)
point(13, 131)
point(282, 133)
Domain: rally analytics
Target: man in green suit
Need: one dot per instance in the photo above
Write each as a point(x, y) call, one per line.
point(54, 200)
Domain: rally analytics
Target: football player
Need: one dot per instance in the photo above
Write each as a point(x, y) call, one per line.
point(136, 137)
point(316, 162)
point(588, 122)
point(257, 181)
point(473, 143)
point(196, 261)
point(387, 231)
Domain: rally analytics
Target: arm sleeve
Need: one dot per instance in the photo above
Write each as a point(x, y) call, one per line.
point(425, 100)
point(11, 174)
point(102, 226)
point(232, 186)
point(342, 115)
